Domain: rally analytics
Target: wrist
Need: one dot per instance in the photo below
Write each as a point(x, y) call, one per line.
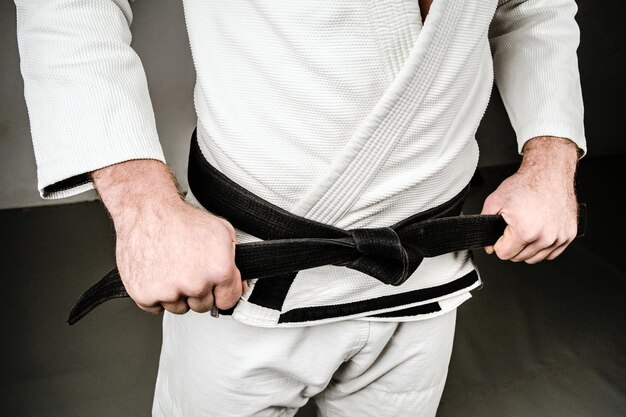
point(551, 154)
point(133, 188)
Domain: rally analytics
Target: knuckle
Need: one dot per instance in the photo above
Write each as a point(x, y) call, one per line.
point(170, 295)
point(223, 271)
point(530, 236)
point(490, 203)
point(572, 233)
point(561, 239)
point(229, 227)
point(547, 240)
point(195, 292)
point(564, 240)
point(142, 300)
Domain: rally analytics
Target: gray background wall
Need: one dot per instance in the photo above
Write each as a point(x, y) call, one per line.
point(161, 42)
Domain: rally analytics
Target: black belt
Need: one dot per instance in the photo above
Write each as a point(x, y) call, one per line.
point(292, 243)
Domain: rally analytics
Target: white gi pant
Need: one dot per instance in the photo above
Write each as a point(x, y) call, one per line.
point(220, 367)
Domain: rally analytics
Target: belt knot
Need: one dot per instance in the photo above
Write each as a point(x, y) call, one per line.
point(383, 255)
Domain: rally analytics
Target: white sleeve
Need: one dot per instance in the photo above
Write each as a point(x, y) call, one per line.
point(534, 45)
point(85, 89)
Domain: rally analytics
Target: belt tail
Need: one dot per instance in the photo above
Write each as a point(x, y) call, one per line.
point(108, 288)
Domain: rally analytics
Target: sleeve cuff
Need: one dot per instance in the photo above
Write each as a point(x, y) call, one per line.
point(60, 179)
point(552, 128)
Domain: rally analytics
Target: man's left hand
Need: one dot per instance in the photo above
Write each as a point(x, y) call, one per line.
point(538, 203)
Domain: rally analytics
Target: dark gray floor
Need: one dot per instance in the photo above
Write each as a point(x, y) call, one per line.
point(546, 340)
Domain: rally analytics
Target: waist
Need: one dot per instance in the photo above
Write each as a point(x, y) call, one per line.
point(293, 243)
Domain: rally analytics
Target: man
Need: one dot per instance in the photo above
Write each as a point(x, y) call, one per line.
point(357, 114)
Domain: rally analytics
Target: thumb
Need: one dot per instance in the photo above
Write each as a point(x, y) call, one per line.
point(491, 206)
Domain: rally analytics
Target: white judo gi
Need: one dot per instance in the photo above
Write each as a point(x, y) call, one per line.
point(352, 113)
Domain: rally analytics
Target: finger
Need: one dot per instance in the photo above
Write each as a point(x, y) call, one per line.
point(227, 294)
point(146, 305)
point(544, 246)
point(155, 309)
point(244, 286)
point(556, 252)
point(541, 255)
point(201, 304)
point(509, 244)
point(176, 307)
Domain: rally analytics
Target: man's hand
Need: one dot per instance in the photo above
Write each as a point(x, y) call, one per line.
point(169, 253)
point(538, 203)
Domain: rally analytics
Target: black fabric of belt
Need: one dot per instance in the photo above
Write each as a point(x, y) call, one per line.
point(291, 243)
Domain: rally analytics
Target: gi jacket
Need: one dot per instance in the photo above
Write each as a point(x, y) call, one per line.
point(352, 113)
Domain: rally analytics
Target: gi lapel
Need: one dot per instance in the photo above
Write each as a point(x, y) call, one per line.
point(332, 196)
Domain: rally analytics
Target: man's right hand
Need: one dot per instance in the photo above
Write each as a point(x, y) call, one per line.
point(170, 254)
